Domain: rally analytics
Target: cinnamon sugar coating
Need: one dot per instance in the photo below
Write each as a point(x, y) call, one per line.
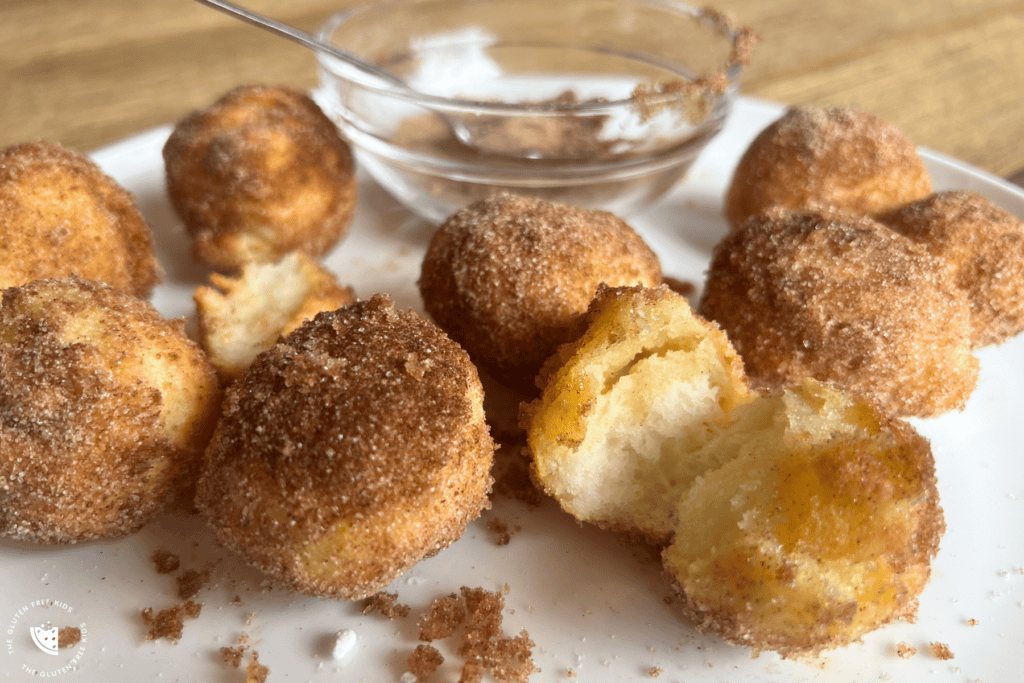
point(843, 299)
point(349, 451)
point(984, 247)
point(260, 173)
point(60, 215)
point(105, 410)
point(510, 277)
point(816, 158)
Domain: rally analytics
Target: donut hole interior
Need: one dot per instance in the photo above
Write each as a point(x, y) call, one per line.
point(810, 534)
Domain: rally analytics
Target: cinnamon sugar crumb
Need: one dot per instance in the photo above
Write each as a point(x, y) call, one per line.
point(972, 622)
point(941, 650)
point(905, 650)
point(165, 562)
point(169, 623)
point(570, 673)
point(442, 618)
point(502, 536)
point(482, 642)
point(508, 659)
point(654, 672)
point(387, 604)
point(69, 636)
point(254, 671)
point(191, 582)
point(232, 655)
point(424, 661)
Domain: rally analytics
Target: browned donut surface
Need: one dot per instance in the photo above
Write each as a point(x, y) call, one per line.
point(258, 174)
point(984, 246)
point(844, 299)
point(61, 215)
point(816, 158)
point(349, 451)
point(104, 412)
point(510, 277)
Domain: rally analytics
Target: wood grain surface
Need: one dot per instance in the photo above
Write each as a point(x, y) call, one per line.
point(949, 73)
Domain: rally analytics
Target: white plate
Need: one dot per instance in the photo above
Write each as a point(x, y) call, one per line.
point(589, 602)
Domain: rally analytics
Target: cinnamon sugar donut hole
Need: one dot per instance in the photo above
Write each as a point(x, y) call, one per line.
point(260, 173)
point(816, 158)
point(105, 410)
point(349, 451)
point(984, 247)
point(60, 215)
point(509, 278)
point(844, 299)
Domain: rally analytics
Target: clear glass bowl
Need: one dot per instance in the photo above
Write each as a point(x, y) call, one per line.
point(595, 103)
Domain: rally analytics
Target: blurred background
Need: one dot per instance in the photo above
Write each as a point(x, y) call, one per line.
point(949, 73)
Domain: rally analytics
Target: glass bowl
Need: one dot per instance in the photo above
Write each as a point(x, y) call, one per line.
point(594, 103)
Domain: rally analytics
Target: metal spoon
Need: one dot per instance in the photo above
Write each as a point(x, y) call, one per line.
point(459, 128)
point(307, 39)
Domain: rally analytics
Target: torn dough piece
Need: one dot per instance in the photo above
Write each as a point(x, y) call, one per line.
point(240, 317)
point(793, 522)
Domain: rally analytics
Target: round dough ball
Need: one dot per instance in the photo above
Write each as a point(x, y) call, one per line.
point(105, 410)
point(844, 299)
point(983, 245)
point(60, 215)
point(510, 277)
point(821, 529)
point(260, 173)
point(349, 451)
point(826, 159)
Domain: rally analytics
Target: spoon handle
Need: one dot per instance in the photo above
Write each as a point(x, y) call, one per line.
point(303, 38)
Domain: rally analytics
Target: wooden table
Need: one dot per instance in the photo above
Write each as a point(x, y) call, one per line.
point(949, 74)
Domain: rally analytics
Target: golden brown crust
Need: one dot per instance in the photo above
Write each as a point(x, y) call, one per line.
point(984, 247)
point(104, 412)
point(258, 174)
point(509, 277)
point(349, 451)
point(844, 299)
point(61, 215)
point(826, 159)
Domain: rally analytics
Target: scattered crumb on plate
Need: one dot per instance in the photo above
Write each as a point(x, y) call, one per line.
point(165, 562)
point(906, 650)
point(442, 618)
point(191, 582)
point(254, 671)
point(69, 636)
point(387, 604)
point(424, 661)
point(169, 623)
point(232, 655)
point(941, 650)
point(500, 531)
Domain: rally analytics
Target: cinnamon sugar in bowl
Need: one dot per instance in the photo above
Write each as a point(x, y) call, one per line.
point(596, 103)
